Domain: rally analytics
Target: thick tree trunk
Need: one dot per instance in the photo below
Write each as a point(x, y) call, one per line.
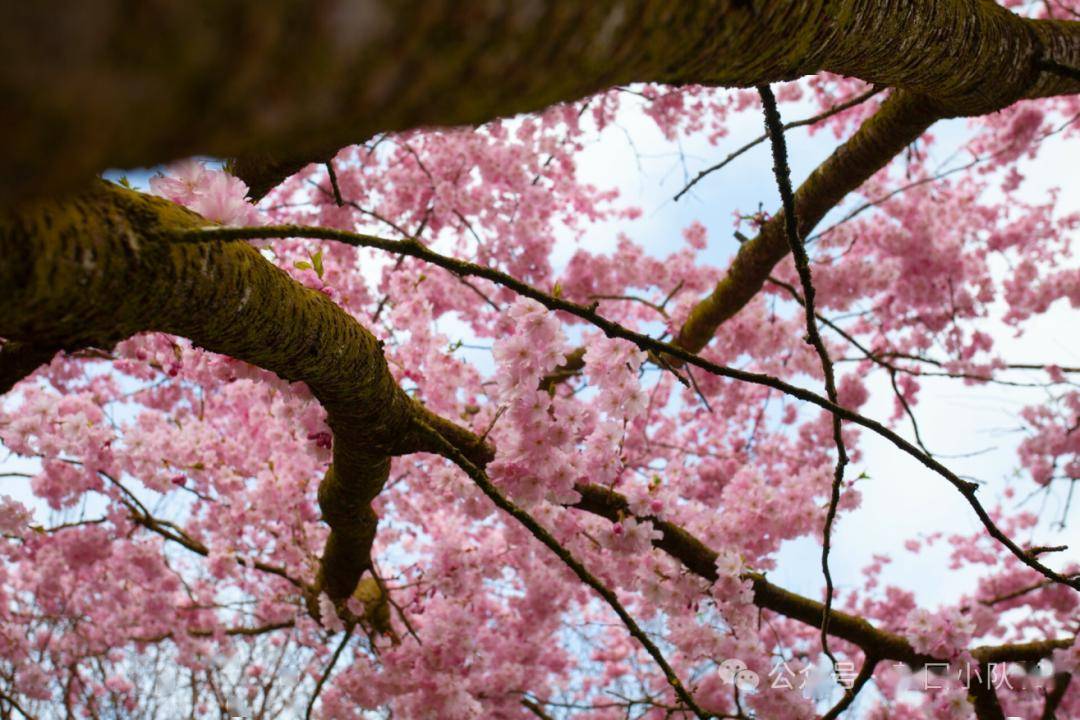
point(88, 86)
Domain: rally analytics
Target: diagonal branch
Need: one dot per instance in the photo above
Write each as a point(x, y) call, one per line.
point(479, 477)
point(326, 673)
point(4, 697)
point(173, 533)
point(865, 673)
point(875, 642)
point(413, 248)
point(901, 119)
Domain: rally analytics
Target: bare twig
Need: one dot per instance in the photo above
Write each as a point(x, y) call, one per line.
point(15, 705)
point(865, 673)
point(326, 673)
point(534, 707)
point(802, 265)
point(834, 110)
point(334, 183)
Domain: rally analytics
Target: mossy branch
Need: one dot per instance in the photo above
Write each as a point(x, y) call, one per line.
point(700, 559)
point(901, 119)
point(103, 265)
point(413, 248)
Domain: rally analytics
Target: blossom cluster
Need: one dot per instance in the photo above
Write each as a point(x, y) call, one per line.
point(169, 513)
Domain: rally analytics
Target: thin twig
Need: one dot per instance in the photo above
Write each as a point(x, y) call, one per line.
point(865, 673)
point(15, 705)
point(802, 265)
point(934, 178)
point(479, 477)
point(334, 184)
point(326, 673)
point(834, 110)
point(907, 409)
point(535, 709)
point(892, 369)
point(1016, 593)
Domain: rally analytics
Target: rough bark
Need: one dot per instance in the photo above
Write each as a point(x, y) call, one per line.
point(88, 86)
point(100, 266)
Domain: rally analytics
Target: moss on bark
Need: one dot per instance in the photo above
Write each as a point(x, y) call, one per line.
point(103, 265)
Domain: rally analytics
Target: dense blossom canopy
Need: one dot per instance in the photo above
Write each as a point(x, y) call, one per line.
point(162, 555)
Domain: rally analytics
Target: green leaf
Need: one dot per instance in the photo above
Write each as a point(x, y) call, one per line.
point(301, 265)
point(316, 262)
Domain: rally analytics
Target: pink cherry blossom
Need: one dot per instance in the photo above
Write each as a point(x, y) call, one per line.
point(164, 510)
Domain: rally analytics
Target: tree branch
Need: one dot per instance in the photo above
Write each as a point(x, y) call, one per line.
point(700, 559)
point(1056, 695)
point(901, 119)
point(326, 673)
point(479, 477)
point(983, 697)
point(414, 248)
point(775, 130)
point(101, 266)
point(865, 673)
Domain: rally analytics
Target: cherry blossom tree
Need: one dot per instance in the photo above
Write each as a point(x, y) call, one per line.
point(324, 427)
